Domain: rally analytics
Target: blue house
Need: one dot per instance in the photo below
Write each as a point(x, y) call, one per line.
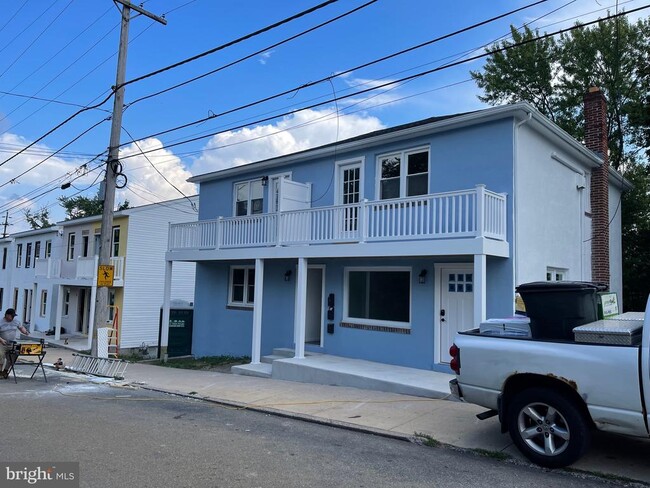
point(383, 246)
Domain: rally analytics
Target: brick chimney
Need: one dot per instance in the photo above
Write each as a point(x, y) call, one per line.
point(595, 110)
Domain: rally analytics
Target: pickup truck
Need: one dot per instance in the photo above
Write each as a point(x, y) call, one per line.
point(550, 394)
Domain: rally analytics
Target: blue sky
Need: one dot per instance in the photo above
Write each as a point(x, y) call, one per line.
point(65, 50)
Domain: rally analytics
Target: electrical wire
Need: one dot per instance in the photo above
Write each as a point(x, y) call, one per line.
point(13, 16)
point(17, 36)
point(411, 77)
point(158, 171)
point(230, 43)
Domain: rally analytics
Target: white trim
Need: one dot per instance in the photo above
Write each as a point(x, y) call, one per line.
point(245, 303)
point(249, 206)
point(403, 170)
point(437, 299)
point(257, 312)
point(361, 162)
point(388, 323)
point(288, 175)
point(323, 305)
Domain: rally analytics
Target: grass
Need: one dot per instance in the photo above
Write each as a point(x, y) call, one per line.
point(501, 456)
point(204, 363)
point(427, 440)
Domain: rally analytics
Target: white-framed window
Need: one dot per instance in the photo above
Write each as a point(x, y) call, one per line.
point(37, 250)
point(97, 245)
point(249, 198)
point(4, 258)
point(28, 255)
point(2, 296)
point(48, 248)
point(115, 242)
point(241, 287)
point(378, 296)
point(556, 274)
point(403, 174)
point(19, 255)
point(85, 242)
point(71, 242)
point(15, 303)
point(43, 307)
point(66, 302)
point(111, 305)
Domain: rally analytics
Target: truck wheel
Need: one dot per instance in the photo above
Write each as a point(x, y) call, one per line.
point(548, 428)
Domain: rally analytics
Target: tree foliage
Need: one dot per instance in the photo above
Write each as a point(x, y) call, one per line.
point(554, 74)
point(39, 219)
point(80, 206)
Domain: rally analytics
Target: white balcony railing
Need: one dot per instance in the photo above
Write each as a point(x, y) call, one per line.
point(48, 268)
point(118, 269)
point(459, 214)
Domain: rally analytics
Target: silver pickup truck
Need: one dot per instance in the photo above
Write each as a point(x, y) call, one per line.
point(550, 394)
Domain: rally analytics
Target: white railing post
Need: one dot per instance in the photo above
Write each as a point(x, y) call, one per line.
point(219, 232)
point(504, 216)
point(278, 228)
point(363, 221)
point(480, 210)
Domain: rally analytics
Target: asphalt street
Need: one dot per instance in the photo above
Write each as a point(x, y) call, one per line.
point(132, 437)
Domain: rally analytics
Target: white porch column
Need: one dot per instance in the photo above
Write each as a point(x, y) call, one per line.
point(57, 313)
point(480, 287)
point(301, 308)
point(91, 313)
point(257, 311)
point(167, 291)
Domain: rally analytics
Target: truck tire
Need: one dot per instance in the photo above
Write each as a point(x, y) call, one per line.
point(547, 427)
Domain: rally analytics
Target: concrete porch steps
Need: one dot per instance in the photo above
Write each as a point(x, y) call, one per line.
point(262, 370)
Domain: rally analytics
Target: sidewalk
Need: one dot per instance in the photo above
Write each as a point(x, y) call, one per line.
point(400, 416)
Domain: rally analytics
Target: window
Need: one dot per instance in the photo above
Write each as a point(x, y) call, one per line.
point(48, 248)
point(43, 302)
point(378, 296)
point(71, 239)
point(111, 305)
point(15, 304)
point(85, 240)
point(98, 241)
point(460, 283)
point(242, 286)
point(249, 198)
point(37, 250)
point(66, 302)
point(4, 258)
point(115, 242)
point(2, 297)
point(19, 255)
point(556, 274)
point(404, 174)
point(28, 255)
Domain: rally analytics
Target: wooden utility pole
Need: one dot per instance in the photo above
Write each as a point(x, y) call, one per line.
point(113, 164)
point(5, 224)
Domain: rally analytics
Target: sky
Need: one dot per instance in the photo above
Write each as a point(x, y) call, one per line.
point(58, 56)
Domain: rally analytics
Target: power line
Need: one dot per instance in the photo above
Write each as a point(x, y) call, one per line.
point(37, 38)
point(13, 16)
point(404, 79)
point(49, 100)
point(157, 170)
point(249, 56)
point(26, 28)
point(231, 43)
point(327, 78)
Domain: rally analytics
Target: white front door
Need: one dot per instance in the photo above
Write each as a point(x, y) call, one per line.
point(456, 305)
point(314, 313)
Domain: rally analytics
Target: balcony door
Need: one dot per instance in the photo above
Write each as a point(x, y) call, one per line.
point(348, 192)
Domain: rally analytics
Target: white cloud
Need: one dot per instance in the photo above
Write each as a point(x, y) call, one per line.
point(297, 132)
point(145, 184)
point(265, 56)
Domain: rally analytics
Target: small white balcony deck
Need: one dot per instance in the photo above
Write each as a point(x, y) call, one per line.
point(79, 270)
point(415, 223)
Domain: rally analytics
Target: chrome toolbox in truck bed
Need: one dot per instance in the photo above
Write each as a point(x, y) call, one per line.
point(624, 331)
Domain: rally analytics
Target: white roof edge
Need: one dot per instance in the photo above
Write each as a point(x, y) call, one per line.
point(33, 232)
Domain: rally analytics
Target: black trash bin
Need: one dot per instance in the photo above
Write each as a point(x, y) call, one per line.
point(556, 307)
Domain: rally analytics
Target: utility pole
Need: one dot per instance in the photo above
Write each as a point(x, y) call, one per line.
point(5, 224)
point(113, 164)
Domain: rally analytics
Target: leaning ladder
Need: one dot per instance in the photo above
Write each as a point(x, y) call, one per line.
point(107, 367)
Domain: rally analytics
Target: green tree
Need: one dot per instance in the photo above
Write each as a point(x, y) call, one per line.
point(39, 219)
point(553, 76)
point(80, 206)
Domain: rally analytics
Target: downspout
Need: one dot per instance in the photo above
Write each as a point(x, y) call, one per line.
point(515, 234)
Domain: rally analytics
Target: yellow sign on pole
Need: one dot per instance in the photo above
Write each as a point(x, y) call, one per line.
point(105, 275)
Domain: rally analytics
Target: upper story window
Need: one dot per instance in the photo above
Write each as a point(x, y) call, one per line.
point(249, 198)
point(28, 255)
point(115, 242)
point(556, 274)
point(37, 250)
point(71, 241)
point(48, 248)
point(4, 258)
point(85, 242)
point(403, 174)
point(19, 255)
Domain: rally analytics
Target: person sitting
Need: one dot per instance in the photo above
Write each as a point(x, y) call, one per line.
point(8, 326)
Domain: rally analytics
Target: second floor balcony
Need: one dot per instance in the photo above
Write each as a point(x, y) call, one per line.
point(80, 269)
point(465, 214)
